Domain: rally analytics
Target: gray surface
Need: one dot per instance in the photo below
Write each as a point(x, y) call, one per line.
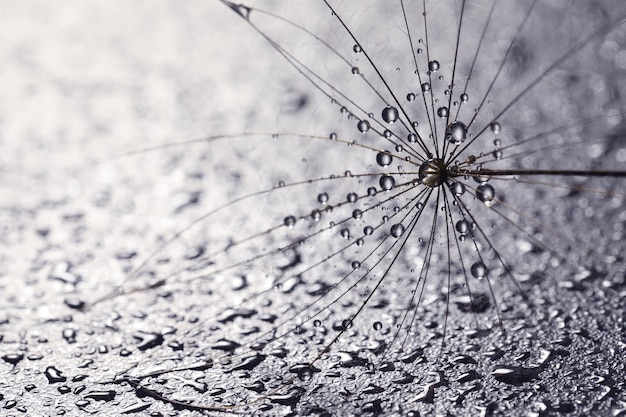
point(83, 83)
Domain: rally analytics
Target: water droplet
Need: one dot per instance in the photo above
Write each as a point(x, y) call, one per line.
point(462, 227)
point(442, 112)
point(356, 265)
point(377, 325)
point(456, 132)
point(316, 215)
point(357, 214)
point(412, 137)
point(432, 173)
point(371, 191)
point(464, 97)
point(54, 375)
point(355, 70)
point(433, 66)
point(13, 358)
point(495, 127)
point(458, 188)
point(485, 193)
point(148, 340)
point(387, 182)
point(69, 335)
point(515, 375)
point(397, 230)
point(357, 49)
point(352, 198)
point(498, 154)
point(363, 126)
point(384, 159)
point(322, 198)
point(289, 221)
point(368, 230)
point(345, 233)
point(479, 270)
point(410, 97)
point(425, 87)
point(390, 114)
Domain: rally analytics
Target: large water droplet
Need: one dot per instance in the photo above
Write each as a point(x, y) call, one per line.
point(390, 114)
point(433, 66)
point(456, 132)
point(384, 159)
point(363, 126)
point(485, 193)
point(387, 182)
point(397, 230)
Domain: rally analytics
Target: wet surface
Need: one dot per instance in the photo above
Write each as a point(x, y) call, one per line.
point(94, 321)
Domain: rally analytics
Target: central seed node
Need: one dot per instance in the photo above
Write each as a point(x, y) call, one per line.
point(432, 173)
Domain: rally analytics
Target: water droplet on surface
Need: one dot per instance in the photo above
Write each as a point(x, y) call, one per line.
point(357, 49)
point(13, 358)
point(390, 114)
point(442, 112)
point(352, 198)
point(464, 97)
point(410, 97)
point(355, 70)
point(377, 325)
point(515, 375)
point(54, 375)
point(425, 87)
point(357, 214)
point(495, 127)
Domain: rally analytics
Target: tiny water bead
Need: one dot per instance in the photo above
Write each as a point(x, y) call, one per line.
point(425, 87)
point(495, 127)
point(352, 198)
point(410, 97)
point(458, 188)
point(464, 97)
point(442, 112)
point(322, 198)
point(357, 49)
point(390, 114)
point(290, 221)
point(432, 173)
